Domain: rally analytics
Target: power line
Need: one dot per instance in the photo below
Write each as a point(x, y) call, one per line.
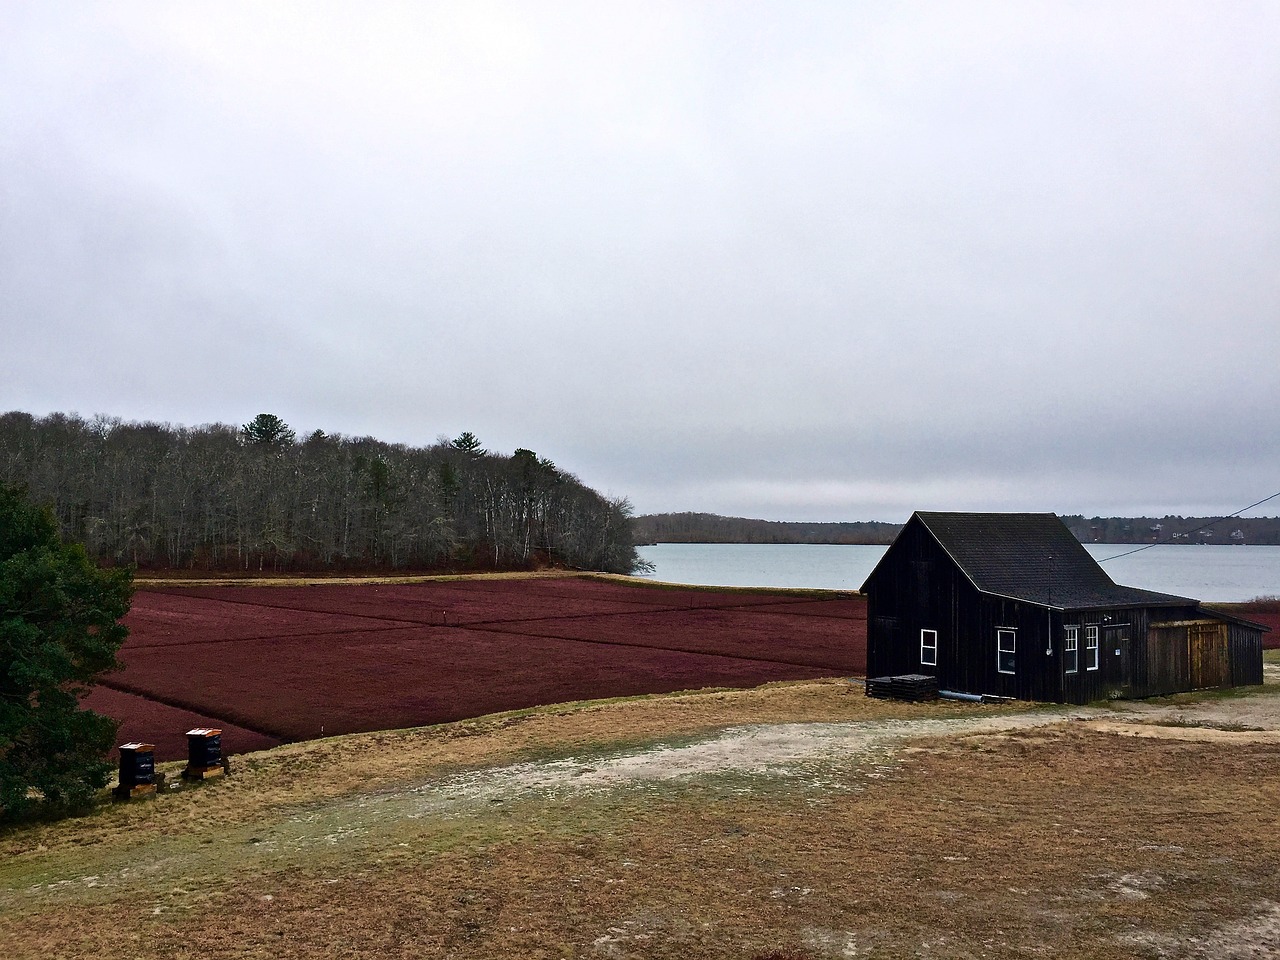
point(1206, 526)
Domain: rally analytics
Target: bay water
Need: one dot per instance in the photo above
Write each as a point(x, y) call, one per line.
point(1227, 574)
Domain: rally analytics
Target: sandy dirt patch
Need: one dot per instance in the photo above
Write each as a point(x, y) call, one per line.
point(772, 750)
point(1198, 734)
point(1239, 713)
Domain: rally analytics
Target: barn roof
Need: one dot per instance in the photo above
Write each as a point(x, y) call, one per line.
point(1032, 557)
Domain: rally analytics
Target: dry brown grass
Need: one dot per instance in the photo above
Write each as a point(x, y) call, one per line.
point(1058, 841)
point(307, 772)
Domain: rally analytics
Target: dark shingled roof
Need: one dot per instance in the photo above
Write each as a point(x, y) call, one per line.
point(1033, 557)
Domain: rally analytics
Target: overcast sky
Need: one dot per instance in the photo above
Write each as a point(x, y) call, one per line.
point(828, 261)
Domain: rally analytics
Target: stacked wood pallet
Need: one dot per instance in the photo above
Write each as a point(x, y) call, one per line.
point(913, 687)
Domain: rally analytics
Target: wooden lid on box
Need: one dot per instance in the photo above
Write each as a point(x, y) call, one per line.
point(204, 732)
point(139, 747)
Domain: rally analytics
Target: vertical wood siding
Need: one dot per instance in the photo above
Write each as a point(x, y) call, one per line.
point(1244, 645)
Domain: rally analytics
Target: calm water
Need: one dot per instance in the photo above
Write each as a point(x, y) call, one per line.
point(1222, 573)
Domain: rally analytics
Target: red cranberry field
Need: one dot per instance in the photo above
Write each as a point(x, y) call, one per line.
point(275, 664)
point(1266, 613)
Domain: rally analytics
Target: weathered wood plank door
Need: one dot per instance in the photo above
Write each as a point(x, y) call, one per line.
point(1207, 644)
point(1168, 664)
point(1118, 666)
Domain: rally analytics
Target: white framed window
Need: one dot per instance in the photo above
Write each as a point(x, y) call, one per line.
point(928, 648)
point(1006, 648)
point(1091, 648)
point(1071, 649)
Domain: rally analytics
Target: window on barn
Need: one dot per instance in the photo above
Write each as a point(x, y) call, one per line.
point(1071, 649)
point(1091, 648)
point(928, 648)
point(1006, 642)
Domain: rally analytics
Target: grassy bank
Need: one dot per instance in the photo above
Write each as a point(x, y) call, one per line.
point(1059, 840)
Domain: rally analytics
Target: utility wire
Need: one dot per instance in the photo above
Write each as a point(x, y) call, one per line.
point(1206, 526)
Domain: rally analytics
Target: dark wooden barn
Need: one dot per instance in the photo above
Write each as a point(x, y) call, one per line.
point(1011, 604)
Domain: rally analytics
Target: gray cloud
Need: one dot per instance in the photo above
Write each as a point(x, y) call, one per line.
point(825, 261)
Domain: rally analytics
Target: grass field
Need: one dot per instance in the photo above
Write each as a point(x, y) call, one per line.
point(798, 820)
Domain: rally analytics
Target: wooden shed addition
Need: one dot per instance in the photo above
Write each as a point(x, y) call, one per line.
point(1011, 604)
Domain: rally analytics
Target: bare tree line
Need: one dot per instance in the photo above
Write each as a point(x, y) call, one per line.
point(218, 497)
point(712, 528)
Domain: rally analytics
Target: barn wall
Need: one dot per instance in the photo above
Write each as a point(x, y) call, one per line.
point(1035, 674)
point(916, 586)
point(1148, 663)
point(1085, 685)
point(1127, 666)
point(1245, 652)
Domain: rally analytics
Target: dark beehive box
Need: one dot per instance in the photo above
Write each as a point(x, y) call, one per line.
point(204, 753)
point(137, 770)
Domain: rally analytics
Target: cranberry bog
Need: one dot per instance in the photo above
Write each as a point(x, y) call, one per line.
point(269, 664)
point(150, 721)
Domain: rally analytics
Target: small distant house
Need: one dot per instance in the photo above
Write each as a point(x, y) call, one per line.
point(1011, 604)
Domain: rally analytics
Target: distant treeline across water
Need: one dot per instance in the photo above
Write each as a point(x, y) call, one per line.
point(711, 528)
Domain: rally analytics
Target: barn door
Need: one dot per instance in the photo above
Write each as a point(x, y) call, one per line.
point(1207, 645)
point(1117, 666)
point(884, 648)
point(1168, 660)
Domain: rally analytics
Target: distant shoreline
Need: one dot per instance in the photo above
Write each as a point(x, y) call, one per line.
point(708, 528)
